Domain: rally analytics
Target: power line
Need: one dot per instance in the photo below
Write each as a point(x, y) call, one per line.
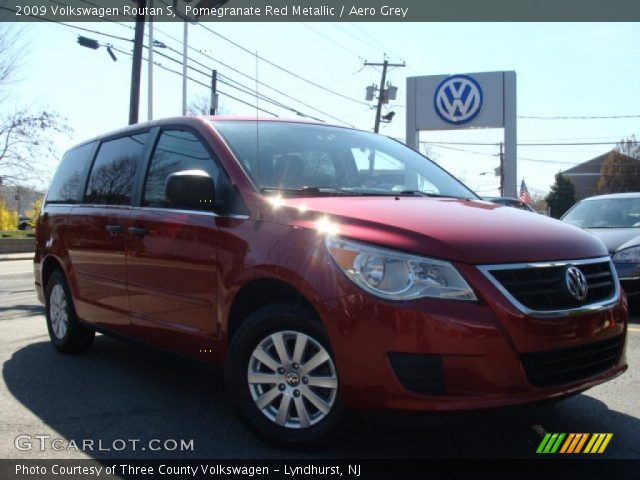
point(384, 47)
point(205, 66)
point(477, 144)
point(340, 28)
point(242, 88)
point(339, 45)
point(275, 65)
point(328, 115)
point(583, 117)
point(246, 90)
point(159, 65)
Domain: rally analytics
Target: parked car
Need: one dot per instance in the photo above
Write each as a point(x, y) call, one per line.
point(614, 219)
point(24, 223)
point(511, 202)
point(274, 248)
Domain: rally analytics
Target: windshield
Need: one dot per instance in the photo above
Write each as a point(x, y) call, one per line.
point(308, 159)
point(605, 213)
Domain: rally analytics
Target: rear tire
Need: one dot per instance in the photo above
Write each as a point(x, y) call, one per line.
point(67, 334)
point(281, 376)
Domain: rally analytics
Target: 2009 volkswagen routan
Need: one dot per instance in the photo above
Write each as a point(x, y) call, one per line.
point(326, 268)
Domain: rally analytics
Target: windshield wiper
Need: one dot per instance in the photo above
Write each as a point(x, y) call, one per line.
point(309, 191)
point(422, 194)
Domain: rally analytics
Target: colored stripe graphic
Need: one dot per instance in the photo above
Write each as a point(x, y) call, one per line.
point(572, 443)
point(550, 443)
point(581, 443)
point(598, 442)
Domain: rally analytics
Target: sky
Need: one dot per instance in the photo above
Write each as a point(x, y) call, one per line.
point(563, 69)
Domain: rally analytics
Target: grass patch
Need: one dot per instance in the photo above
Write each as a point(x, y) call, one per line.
point(17, 234)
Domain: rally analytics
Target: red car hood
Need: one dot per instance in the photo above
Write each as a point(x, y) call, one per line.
point(461, 230)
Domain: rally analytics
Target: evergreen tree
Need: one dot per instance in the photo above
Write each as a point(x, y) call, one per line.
point(561, 197)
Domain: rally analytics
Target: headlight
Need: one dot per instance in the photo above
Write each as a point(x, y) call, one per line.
point(395, 275)
point(628, 255)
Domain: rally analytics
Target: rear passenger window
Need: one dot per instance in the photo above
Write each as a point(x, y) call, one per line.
point(176, 150)
point(66, 184)
point(113, 173)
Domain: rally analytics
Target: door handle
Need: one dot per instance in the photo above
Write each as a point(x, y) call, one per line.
point(114, 229)
point(140, 231)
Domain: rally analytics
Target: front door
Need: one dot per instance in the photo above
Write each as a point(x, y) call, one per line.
point(172, 254)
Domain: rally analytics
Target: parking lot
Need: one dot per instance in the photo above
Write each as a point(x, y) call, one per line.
point(120, 391)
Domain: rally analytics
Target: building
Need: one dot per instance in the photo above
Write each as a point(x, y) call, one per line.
point(19, 199)
point(585, 176)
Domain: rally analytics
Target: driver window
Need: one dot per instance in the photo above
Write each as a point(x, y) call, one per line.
point(176, 150)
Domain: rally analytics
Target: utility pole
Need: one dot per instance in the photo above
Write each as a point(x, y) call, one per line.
point(214, 92)
point(134, 97)
point(150, 67)
point(383, 91)
point(185, 39)
point(501, 170)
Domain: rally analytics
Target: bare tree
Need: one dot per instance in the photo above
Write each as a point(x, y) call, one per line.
point(26, 134)
point(8, 58)
point(629, 146)
point(26, 140)
point(200, 105)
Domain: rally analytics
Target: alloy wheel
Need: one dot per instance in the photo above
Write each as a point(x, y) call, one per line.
point(58, 311)
point(292, 379)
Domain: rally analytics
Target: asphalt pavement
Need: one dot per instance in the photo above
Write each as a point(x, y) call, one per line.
point(122, 394)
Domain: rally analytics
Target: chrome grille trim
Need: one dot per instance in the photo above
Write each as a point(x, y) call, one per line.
point(592, 307)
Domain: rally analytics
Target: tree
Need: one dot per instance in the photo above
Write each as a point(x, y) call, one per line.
point(26, 134)
point(538, 203)
point(629, 146)
point(34, 213)
point(620, 171)
point(8, 58)
point(26, 140)
point(8, 218)
point(561, 197)
point(201, 104)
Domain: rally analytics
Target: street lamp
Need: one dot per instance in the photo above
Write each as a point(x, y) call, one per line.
point(94, 45)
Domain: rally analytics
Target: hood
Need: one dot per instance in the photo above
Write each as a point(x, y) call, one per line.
point(614, 238)
point(470, 231)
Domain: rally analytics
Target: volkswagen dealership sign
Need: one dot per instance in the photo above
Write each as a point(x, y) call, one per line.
point(470, 100)
point(458, 99)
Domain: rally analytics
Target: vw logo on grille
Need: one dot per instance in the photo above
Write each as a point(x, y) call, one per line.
point(576, 283)
point(458, 99)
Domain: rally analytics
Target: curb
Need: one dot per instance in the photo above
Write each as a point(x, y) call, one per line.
point(16, 256)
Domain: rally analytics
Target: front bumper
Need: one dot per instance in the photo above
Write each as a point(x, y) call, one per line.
point(475, 350)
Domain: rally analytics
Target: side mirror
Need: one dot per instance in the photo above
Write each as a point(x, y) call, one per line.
point(190, 188)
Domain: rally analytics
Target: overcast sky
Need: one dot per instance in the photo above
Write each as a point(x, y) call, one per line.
point(562, 70)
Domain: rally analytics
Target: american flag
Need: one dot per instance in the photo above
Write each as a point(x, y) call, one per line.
point(524, 193)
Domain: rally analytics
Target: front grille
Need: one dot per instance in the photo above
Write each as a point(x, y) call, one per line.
point(543, 287)
point(420, 373)
point(564, 366)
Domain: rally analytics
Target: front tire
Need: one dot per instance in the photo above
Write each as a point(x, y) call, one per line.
point(282, 378)
point(67, 334)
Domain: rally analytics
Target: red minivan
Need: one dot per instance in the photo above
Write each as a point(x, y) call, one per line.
point(326, 268)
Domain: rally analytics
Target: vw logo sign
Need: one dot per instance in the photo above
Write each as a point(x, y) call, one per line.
point(576, 283)
point(458, 99)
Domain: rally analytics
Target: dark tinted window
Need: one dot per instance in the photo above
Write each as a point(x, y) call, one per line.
point(66, 184)
point(113, 173)
point(176, 150)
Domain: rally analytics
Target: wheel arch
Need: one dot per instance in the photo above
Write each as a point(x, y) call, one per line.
point(50, 265)
point(261, 292)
